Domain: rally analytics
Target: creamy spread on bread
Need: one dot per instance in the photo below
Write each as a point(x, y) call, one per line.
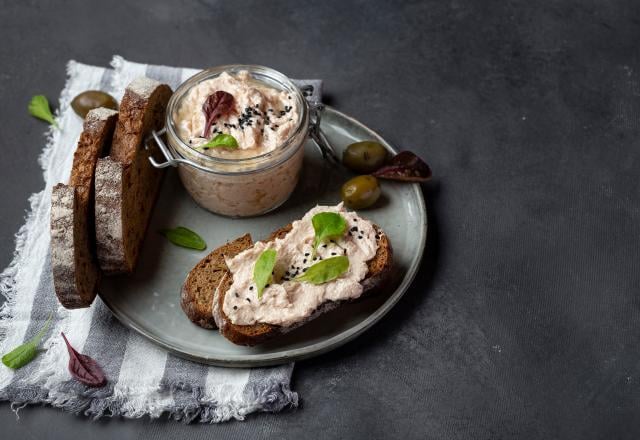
point(261, 120)
point(286, 301)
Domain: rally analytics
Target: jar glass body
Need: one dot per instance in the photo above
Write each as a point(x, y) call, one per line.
point(247, 186)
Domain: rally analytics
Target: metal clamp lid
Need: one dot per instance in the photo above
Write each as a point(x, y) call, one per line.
point(167, 152)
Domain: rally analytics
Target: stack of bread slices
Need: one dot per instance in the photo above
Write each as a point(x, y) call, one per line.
point(99, 218)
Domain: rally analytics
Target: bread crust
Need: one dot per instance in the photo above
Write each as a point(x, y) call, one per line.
point(196, 295)
point(250, 335)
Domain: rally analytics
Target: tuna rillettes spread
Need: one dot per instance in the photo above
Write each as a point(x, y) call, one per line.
point(262, 117)
point(287, 301)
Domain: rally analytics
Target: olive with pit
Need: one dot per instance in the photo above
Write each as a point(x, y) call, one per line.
point(364, 157)
point(360, 192)
point(91, 99)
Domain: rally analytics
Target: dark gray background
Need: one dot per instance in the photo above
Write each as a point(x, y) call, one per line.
point(524, 319)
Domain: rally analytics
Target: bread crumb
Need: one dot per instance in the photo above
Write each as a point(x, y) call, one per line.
point(100, 114)
point(143, 86)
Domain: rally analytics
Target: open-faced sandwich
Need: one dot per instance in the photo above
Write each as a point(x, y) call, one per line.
point(256, 291)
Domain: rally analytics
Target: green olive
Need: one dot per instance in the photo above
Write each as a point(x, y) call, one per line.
point(91, 99)
point(364, 157)
point(360, 192)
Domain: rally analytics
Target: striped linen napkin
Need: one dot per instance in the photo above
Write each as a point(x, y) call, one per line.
point(143, 379)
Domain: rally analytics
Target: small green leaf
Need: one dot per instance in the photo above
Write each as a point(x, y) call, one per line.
point(222, 140)
point(325, 270)
point(184, 237)
point(327, 226)
point(23, 354)
point(39, 107)
point(263, 269)
point(20, 356)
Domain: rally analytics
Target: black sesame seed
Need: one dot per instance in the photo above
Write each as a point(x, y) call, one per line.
point(304, 270)
point(345, 251)
point(377, 236)
point(236, 294)
point(257, 106)
point(304, 261)
point(235, 307)
point(267, 286)
point(306, 254)
point(359, 237)
point(324, 245)
point(354, 229)
point(250, 287)
point(333, 253)
point(315, 258)
point(248, 299)
point(355, 219)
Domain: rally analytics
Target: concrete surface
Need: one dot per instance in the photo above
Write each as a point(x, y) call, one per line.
point(524, 320)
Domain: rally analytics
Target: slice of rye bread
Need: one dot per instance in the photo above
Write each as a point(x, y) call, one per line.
point(126, 183)
point(73, 256)
point(379, 269)
point(196, 296)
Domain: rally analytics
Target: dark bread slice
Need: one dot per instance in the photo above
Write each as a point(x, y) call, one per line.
point(73, 258)
point(379, 269)
point(196, 296)
point(126, 183)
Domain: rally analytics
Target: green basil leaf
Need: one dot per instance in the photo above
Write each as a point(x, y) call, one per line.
point(39, 107)
point(23, 354)
point(222, 140)
point(184, 237)
point(327, 226)
point(20, 356)
point(325, 270)
point(263, 269)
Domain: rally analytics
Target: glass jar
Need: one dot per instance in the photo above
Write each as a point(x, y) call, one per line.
point(237, 187)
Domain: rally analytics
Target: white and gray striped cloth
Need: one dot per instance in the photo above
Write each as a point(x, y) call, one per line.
point(143, 378)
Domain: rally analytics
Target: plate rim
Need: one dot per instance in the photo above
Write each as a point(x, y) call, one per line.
point(324, 345)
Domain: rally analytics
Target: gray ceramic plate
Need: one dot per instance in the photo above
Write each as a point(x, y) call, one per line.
point(148, 300)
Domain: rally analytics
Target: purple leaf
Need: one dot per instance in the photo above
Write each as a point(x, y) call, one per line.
point(217, 104)
point(405, 166)
point(83, 368)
